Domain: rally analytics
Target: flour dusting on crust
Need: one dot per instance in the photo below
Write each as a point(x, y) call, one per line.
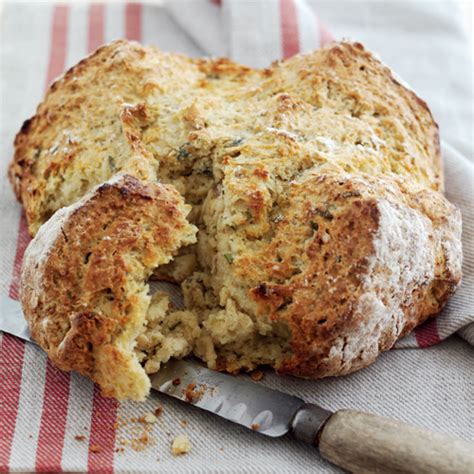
point(403, 260)
point(401, 263)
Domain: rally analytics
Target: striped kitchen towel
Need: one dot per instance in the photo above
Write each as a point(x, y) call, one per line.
point(54, 421)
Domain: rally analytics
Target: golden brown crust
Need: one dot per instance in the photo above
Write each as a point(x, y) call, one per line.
point(88, 112)
point(361, 85)
point(84, 278)
point(88, 330)
point(104, 116)
point(360, 269)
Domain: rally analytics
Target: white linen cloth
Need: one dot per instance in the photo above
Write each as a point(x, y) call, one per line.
point(43, 409)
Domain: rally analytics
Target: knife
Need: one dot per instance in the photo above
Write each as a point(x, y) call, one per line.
point(356, 441)
point(353, 440)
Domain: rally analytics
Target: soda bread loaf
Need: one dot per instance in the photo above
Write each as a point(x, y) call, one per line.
point(316, 186)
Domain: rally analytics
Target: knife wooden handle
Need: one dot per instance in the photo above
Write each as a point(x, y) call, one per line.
point(365, 443)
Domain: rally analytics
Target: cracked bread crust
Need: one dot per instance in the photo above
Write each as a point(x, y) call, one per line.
point(88, 126)
point(316, 185)
point(84, 291)
point(137, 110)
point(362, 267)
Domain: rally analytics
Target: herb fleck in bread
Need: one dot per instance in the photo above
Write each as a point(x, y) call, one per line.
point(316, 186)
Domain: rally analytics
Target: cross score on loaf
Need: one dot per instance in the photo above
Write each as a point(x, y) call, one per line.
point(314, 189)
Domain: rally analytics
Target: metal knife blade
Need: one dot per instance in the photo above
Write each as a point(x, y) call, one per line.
point(12, 320)
point(247, 403)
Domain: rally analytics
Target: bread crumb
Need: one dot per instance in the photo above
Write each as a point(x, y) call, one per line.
point(142, 441)
point(255, 426)
point(135, 432)
point(146, 418)
point(176, 381)
point(95, 448)
point(158, 411)
point(150, 418)
point(191, 394)
point(180, 445)
point(79, 437)
point(256, 375)
point(184, 423)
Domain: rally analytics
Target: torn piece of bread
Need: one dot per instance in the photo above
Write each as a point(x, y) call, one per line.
point(180, 445)
point(316, 185)
point(84, 278)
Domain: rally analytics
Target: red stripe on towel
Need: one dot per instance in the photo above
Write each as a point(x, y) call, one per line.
point(58, 48)
point(56, 390)
point(289, 28)
point(325, 36)
point(96, 26)
point(53, 420)
point(12, 351)
point(102, 435)
point(133, 21)
point(427, 334)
